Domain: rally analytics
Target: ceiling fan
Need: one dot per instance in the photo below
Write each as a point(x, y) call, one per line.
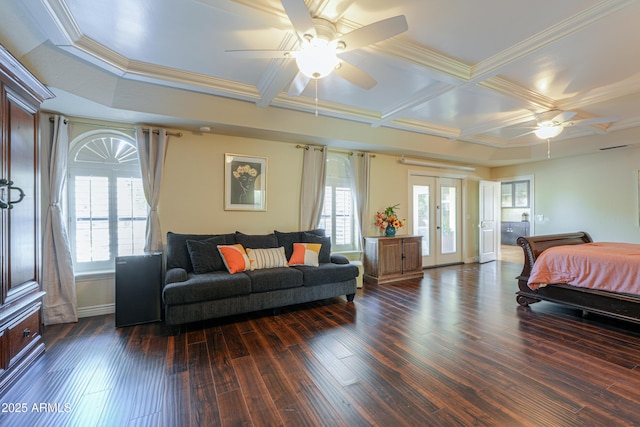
point(320, 48)
point(551, 123)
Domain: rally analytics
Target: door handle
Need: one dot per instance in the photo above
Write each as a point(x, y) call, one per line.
point(8, 203)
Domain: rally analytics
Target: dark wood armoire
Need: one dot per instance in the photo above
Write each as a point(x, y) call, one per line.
point(20, 250)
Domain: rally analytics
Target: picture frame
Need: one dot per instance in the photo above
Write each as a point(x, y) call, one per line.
point(245, 183)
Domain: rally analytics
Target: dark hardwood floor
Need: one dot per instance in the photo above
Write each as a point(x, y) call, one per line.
point(451, 349)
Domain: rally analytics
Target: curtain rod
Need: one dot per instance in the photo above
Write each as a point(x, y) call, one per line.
point(306, 147)
point(145, 130)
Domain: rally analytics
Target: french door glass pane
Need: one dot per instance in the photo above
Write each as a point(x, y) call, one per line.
point(421, 215)
point(448, 220)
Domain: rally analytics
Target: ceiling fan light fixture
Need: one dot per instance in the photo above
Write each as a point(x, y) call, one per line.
point(317, 58)
point(546, 131)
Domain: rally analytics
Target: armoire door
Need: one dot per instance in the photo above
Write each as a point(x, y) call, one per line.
point(21, 219)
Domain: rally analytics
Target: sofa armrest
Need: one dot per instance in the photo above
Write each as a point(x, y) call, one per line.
point(174, 275)
point(339, 259)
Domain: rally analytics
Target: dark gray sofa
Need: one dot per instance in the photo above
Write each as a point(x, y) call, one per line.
point(209, 291)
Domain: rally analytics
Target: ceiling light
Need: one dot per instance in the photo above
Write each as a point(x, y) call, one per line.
point(317, 58)
point(548, 130)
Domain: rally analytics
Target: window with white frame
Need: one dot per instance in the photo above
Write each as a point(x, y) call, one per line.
point(338, 211)
point(107, 207)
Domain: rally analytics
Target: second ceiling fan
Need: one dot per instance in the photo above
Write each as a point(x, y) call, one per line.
point(320, 48)
point(551, 123)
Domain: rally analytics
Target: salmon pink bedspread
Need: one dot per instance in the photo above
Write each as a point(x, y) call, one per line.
point(606, 266)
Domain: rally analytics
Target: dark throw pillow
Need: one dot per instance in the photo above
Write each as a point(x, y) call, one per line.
point(257, 241)
point(287, 239)
point(325, 252)
point(204, 254)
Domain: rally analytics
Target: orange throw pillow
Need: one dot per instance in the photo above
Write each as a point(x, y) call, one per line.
point(235, 258)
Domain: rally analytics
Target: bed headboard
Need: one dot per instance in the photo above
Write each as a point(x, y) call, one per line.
point(533, 246)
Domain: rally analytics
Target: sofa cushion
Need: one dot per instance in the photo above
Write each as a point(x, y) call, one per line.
point(234, 257)
point(327, 273)
point(204, 254)
point(178, 253)
point(287, 239)
point(274, 278)
point(257, 241)
point(266, 258)
point(206, 287)
point(325, 251)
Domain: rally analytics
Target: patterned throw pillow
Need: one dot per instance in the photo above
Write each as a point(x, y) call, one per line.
point(234, 257)
point(267, 258)
point(305, 254)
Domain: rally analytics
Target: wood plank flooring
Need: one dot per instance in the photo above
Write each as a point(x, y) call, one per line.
point(451, 349)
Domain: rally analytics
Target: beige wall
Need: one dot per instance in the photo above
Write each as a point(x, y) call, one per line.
point(192, 194)
point(191, 199)
point(596, 193)
point(389, 186)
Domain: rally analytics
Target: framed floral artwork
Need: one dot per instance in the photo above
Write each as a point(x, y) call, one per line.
point(245, 183)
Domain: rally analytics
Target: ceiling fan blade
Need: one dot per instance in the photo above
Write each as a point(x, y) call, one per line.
point(300, 17)
point(260, 53)
point(563, 117)
point(355, 75)
point(298, 84)
point(591, 121)
point(374, 33)
point(524, 134)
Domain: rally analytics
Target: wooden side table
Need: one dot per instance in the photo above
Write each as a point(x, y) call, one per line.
point(390, 259)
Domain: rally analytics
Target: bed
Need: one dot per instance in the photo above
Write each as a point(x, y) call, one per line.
point(621, 304)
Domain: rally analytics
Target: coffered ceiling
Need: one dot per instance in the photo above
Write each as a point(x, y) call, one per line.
point(464, 83)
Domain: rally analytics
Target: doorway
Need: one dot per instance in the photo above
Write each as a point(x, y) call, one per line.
point(436, 215)
point(516, 215)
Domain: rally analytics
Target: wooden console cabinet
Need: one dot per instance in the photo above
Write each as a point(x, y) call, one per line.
point(20, 293)
point(390, 259)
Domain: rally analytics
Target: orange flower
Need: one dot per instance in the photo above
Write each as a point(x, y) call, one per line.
point(388, 218)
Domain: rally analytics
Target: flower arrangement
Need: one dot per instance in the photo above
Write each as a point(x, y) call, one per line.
point(389, 218)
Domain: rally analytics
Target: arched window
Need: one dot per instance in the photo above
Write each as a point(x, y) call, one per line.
point(107, 207)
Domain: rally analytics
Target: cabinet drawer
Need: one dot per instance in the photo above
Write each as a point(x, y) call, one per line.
point(23, 332)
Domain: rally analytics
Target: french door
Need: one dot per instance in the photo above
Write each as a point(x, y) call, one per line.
point(435, 206)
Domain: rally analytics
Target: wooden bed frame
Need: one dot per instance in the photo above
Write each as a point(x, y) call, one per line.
point(616, 305)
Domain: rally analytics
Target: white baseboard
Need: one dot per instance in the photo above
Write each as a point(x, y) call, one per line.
point(96, 310)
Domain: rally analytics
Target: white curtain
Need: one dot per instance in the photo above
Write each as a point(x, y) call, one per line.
point(312, 191)
point(360, 167)
point(58, 280)
point(152, 148)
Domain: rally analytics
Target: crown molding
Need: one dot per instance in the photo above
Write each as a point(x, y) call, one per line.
point(492, 65)
point(534, 100)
